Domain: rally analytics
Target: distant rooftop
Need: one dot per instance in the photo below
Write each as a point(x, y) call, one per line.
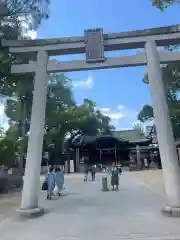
point(131, 136)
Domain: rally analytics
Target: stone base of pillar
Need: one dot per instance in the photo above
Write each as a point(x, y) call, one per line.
point(171, 211)
point(31, 213)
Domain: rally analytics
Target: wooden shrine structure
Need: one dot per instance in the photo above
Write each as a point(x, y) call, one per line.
point(128, 147)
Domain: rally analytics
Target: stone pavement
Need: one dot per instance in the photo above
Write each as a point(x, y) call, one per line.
point(9, 202)
point(86, 213)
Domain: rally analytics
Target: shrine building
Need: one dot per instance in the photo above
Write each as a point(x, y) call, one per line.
point(119, 146)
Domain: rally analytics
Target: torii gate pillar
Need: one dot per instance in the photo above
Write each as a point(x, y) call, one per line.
point(171, 169)
point(31, 187)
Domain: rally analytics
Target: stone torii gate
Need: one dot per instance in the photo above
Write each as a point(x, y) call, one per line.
point(94, 43)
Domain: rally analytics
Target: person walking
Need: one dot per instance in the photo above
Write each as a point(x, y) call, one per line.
point(86, 174)
point(93, 172)
point(59, 180)
point(50, 179)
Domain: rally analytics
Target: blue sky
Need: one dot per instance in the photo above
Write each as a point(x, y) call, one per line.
point(120, 93)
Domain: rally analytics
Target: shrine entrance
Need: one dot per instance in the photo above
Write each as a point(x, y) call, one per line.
point(94, 43)
point(108, 155)
point(104, 149)
point(110, 149)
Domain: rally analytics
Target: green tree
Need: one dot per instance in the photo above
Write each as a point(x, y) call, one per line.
point(63, 116)
point(8, 151)
point(14, 87)
point(37, 9)
point(171, 77)
point(148, 116)
point(146, 113)
point(162, 4)
point(83, 119)
point(139, 127)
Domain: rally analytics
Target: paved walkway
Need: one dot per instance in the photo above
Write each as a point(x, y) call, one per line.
point(86, 213)
point(9, 202)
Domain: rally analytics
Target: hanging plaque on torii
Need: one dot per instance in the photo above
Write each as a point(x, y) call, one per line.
point(94, 41)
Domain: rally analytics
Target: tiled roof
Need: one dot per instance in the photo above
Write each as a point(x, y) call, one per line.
point(131, 136)
point(134, 135)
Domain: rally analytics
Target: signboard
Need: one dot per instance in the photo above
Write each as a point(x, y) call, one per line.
point(94, 41)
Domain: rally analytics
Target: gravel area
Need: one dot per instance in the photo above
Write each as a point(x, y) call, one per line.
point(152, 178)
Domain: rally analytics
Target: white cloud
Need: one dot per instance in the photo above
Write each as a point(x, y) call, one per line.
point(121, 116)
point(104, 110)
point(85, 84)
point(113, 114)
point(116, 115)
point(120, 107)
point(32, 34)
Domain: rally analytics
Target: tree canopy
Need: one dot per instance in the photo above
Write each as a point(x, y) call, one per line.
point(12, 12)
point(162, 4)
point(37, 10)
point(146, 113)
point(171, 77)
point(64, 117)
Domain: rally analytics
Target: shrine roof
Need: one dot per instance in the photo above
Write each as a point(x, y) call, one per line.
point(84, 140)
point(132, 135)
point(126, 136)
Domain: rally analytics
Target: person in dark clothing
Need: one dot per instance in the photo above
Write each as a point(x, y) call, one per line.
point(114, 177)
point(93, 172)
point(86, 174)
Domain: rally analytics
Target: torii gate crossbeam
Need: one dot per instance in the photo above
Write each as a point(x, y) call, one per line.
point(163, 36)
